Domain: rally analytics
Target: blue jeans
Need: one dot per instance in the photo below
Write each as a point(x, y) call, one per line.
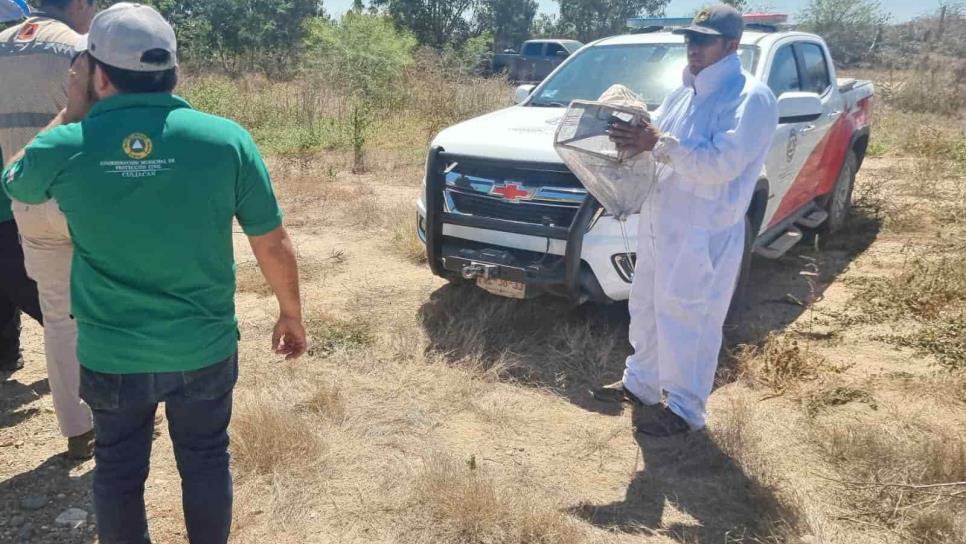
point(198, 408)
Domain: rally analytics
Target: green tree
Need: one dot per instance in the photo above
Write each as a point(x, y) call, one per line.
point(740, 5)
point(433, 22)
point(240, 34)
point(551, 26)
point(364, 53)
point(509, 21)
point(851, 28)
point(592, 19)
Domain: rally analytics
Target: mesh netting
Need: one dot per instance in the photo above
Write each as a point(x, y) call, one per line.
point(619, 182)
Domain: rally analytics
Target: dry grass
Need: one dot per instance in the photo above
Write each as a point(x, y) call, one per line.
point(820, 400)
point(733, 433)
point(269, 436)
point(879, 198)
point(936, 86)
point(359, 206)
point(919, 113)
point(404, 240)
point(925, 287)
point(458, 503)
point(249, 277)
point(326, 401)
point(924, 192)
point(888, 466)
point(945, 339)
point(927, 295)
point(543, 341)
point(304, 116)
point(780, 363)
point(329, 335)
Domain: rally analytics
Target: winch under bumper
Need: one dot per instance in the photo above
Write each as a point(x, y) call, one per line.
point(519, 274)
point(502, 273)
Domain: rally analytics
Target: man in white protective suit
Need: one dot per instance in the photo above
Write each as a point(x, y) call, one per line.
point(711, 135)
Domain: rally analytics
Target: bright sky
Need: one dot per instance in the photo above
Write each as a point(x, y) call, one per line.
point(901, 10)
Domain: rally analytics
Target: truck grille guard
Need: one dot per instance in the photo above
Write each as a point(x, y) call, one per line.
point(440, 163)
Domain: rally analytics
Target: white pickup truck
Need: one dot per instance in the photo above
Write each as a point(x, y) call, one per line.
point(501, 209)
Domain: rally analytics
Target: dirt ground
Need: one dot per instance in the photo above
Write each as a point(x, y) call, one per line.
point(429, 412)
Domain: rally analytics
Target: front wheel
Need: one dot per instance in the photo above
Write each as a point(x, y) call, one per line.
point(838, 204)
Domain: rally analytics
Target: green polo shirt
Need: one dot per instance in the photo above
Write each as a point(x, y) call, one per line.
point(6, 212)
point(150, 188)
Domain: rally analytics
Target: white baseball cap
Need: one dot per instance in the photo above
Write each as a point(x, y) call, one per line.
point(123, 34)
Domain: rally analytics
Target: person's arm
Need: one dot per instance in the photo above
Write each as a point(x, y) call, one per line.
point(258, 214)
point(714, 160)
point(730, 150)
point(29, 176)
point(276, 258)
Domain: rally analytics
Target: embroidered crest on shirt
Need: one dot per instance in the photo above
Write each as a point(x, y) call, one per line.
point(139, 149)
point(137, 146)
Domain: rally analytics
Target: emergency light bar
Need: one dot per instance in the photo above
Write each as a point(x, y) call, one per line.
point(13, 10)
point(658, 22)
point(751, 19)
point(761, 18)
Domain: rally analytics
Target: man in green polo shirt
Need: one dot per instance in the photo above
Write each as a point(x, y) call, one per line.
point(150, 189)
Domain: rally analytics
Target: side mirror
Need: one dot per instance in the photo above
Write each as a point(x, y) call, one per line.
point(563, 54)
point(522, 93)
point(799, 107)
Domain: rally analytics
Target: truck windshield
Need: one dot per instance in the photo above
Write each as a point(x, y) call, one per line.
point(651, 70)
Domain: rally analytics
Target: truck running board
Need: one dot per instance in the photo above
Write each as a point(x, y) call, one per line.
point(813, 218)
point(779, 246)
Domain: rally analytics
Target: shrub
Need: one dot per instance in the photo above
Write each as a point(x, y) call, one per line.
point(850, 27)
point(363, 53)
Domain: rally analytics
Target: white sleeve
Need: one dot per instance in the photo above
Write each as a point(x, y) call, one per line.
point(721, 158)
point(657, 114)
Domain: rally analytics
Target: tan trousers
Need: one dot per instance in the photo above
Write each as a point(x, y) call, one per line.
point(48, 252)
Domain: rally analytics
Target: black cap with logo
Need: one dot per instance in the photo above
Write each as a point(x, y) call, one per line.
point(719, 20)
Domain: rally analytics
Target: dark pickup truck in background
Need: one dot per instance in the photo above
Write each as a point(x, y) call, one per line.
point(537, 58)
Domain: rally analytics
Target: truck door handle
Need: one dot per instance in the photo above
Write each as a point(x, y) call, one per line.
point(807, 128)
point(835, 114)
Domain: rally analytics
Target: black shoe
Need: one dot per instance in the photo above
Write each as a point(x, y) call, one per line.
point(11, 365)
point(81, 447)
point(616, 393)
point(660, 421)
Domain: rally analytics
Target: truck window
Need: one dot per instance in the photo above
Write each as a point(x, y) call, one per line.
point(651, 70)
point(784, 72)
point(532, 49)
point(572, 45)
point(816, 68)
point(553, 48)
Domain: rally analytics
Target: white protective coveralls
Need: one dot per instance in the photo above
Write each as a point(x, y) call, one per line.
point(718, 128)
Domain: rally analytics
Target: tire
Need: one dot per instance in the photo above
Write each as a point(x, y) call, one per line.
point(838, 204)
point(740, 296)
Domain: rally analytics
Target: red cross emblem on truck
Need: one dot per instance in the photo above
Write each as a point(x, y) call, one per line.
point(511, 191)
